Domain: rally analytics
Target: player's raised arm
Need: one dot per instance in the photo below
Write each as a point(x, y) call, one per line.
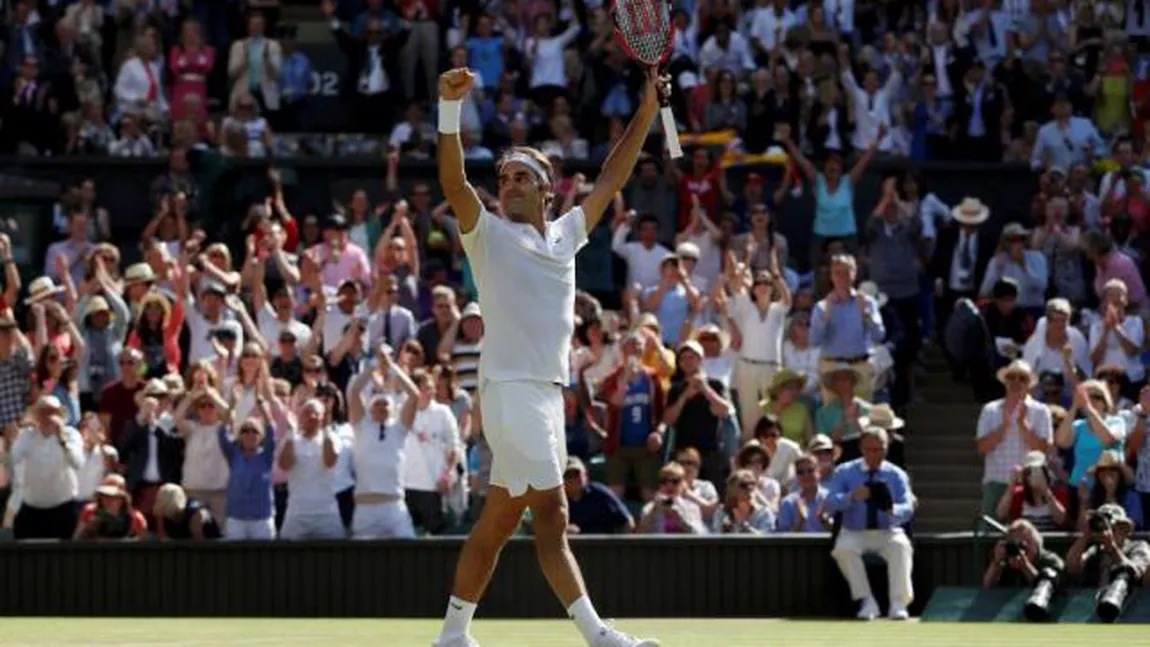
point(453, 86)
point(620, 162)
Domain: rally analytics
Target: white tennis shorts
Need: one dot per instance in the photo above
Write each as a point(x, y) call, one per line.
point(524, 423)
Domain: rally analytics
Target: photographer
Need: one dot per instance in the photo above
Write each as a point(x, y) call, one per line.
point(1104, 554)
point(1019, 559)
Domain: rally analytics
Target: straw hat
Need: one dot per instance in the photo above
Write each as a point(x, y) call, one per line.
point(1016, 367)
point(828, 376)
point(648, 320)
point(1111, 459)
point(1014, 230)
point(712, 330)
point(155, 388)
point(784, 377)
point(113, 485)
point(41, 289)
point(1117, 515)
point(139, 273)
point(971, 212)
point(1034, 459)
point(96, 305)
point(693, 346)
point(883, 417)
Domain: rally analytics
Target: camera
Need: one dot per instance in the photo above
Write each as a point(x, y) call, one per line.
point(1113, 598)
point(1098, 522)
point(1014, 547)
point(1037, 607)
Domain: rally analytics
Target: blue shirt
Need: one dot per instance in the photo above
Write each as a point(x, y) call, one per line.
point(1056, 146)
point(851, 476)
point(844, 333)
point(672, 313)
point(835, 212)
point(1088, 447)
point(250, 496)
point(295, 77)
point(635, 414)
point(789, 513)
point(486, 55)
point(599, 511)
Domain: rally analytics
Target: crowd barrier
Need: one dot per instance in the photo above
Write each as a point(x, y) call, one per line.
point(313, 183)
point(776, 576)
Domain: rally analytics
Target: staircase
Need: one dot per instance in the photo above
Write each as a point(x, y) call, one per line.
point(945, 468)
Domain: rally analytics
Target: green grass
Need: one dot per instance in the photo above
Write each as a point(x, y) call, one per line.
point(185, 632)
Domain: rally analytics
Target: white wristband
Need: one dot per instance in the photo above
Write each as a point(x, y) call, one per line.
point(449, 112)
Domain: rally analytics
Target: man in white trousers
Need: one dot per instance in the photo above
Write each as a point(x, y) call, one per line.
point(524, 268)
point(875, 501)
point(378, 453)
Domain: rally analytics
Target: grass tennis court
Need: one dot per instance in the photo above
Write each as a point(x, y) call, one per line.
point(70, 632)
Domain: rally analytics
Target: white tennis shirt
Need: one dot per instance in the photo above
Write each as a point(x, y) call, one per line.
point(526, 285)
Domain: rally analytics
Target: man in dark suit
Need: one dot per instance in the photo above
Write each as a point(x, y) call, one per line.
point(22, 39)
point(25, 110)
point(151, 454)
point(963, 251)
point(975, 122)
point(371, 66)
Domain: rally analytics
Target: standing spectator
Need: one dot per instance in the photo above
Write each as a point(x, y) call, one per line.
point(873, 104)
point(759, 313)
point(674, 301)
point(139, 90)
point(254, 65)
point(670, 513)
point(594, 509)
point(875, 501)
point(1008, 429)
point(1067, 140)
point(190, 62)
point(1095, 432)
point(846, 323)
point(784, 406)
point(111, 516)
point(370, 56)
point(1116, 337)
point(979, 104)
point(804, 509)
point(422, 46)
point(1056, 346)
point(645, 255)
point(50, 454)
point(545, 52)
point(152, 454)
point(1111, 263)
point(635, 429)
point(434, 452)
point(181, 518)
point(251, 514)
point(696, 405)
point(1026, 267)
point(295, 84)
point(961, 256)
point(309, 457)
point(118, 399)
point(205, 471)
point(726, 49)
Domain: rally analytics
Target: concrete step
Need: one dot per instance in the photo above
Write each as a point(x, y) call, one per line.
point(964, 473)
point(946, 490)
point(953, 515)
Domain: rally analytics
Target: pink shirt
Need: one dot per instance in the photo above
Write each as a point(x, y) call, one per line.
point(351, 264)
point(1120, 266)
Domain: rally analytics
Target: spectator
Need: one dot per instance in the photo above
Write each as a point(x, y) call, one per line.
point(1022, 569)
point(1058, 239)
point(670, 513)
point(151, 451)
point(872, 104)
point(1035, 496)
point(250, 456)
point(1056, 346)
point(696, 405)
point(961, 257)
point(190, 62)
point(545, 51)
point(845, 323)
point(804, 509)
point(798, 353)
point(309, 457)
point(139, 90)
point(1008, 429)
point(111, 516)
point(1026, 267)
point(1110, 263)
point(1116, 337)
point(843, 415)
point(180, 518)
point(644, 256)
point(753, 458)
point(422, 44)
point(254, 65)
point(635, 425)
point(875, 501)
point(205, 470)
point(1067, 140)
point(784, 404)
point(742, 511)
point(49, 453)
point(1089, 436)
point(371, 51)
point(1113, 485)
point(433, 447)
point(701, 491)
point(1095, 555)
point(758, 312)
point(827, 454)
point(594, 509)
point(245, 118)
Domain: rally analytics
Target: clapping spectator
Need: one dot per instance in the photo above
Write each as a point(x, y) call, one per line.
point(753, 458)
point(139, 90)
point(743, 512)
point(181, 518)
point(48, 454)
point(254, 65)
point(1067, 140)
point(644, 256)
point(841, 416)
point(151, 451)
point(205, 470)
point(696, 405)
point(758, 312)
point(111, 516)
point(1116, 337)
point(190, 62)
point(308, 456)
point(1090, 436)
point(804, 509)
point(1027, 267)
point(1056, 346)
point(1008, 429)
point(133, 142)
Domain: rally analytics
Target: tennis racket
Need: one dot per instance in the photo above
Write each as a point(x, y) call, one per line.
point(646, 33)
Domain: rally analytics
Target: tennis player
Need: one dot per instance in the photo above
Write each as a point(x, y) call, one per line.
point(524, 268)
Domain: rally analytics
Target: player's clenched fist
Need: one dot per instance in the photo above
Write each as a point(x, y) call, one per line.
point(455, 84)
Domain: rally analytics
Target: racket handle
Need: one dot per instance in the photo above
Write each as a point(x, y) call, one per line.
point(671, 132)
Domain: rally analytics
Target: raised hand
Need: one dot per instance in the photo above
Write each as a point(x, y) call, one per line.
point(456, 84)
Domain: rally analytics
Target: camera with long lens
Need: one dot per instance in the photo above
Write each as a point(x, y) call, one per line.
point(1037, 607)
point(1113, 598)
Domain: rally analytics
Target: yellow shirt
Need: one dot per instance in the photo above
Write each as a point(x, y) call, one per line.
point(793, 420)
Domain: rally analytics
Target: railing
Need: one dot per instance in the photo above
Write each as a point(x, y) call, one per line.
point(733, 576)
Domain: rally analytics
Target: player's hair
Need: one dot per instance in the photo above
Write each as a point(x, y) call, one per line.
point(534, 154)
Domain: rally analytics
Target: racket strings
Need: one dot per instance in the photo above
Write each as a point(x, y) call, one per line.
point(645, 26)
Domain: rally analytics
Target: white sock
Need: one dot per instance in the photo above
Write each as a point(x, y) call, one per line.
point(586, 618)
point(457, 620)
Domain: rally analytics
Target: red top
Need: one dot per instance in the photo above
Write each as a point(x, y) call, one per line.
point(139, 524)
point(1061, 494)
point(706, 187)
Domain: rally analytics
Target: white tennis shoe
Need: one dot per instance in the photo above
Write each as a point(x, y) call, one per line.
point(612, 637)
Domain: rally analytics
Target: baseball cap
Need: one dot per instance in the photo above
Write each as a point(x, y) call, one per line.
point(574, 463)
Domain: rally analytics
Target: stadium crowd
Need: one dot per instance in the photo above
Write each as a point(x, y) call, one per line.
point(259, 375)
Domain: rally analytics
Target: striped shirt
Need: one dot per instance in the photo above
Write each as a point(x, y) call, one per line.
point(465, 359)
point(1000, 463)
